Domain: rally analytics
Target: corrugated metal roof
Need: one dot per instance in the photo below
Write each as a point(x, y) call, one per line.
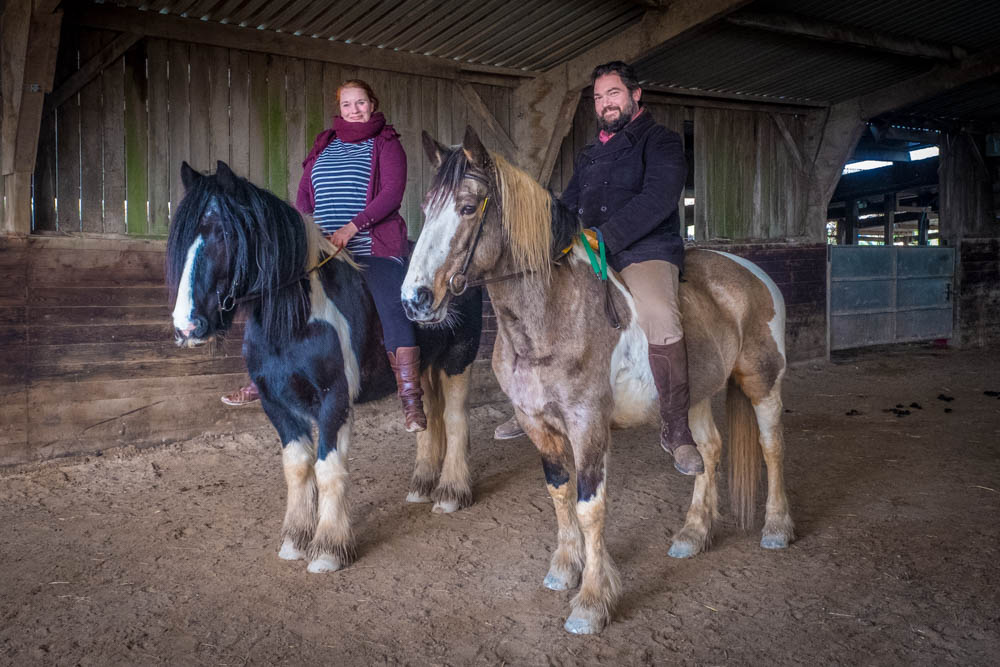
point(971, 24)
point(977, 101)
point(532, 35)
point(735, 60)
point(721, 58)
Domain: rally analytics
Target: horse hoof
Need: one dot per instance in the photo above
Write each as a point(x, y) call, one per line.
point(682, 550)
point(556, 582)
point(324, 564)
point(289, 552)
point(415, 497)
point(774, 542)
point(584, 623)
point(445, 507)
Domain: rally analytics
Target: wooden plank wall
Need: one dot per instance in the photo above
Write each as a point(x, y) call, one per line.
point(110, 156)
point(749, 181)
point(87, 358)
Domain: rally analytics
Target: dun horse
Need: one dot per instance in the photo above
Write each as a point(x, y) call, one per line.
point(572, 376)
point(313, 345)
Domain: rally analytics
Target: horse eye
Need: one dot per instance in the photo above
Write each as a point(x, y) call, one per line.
point(468, 210)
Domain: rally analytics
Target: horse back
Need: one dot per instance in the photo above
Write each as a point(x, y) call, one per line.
point(734, 321)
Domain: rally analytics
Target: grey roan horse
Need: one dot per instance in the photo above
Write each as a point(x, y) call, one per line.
point(571, 376)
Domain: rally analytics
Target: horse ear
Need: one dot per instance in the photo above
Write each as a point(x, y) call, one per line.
point(435, 151)
point(473, 148)
point(227, 179)
point(189, 176)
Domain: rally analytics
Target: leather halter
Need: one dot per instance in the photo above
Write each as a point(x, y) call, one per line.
point(458, 283)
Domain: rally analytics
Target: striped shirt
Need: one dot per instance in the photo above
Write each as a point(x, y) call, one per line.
point(340, 180)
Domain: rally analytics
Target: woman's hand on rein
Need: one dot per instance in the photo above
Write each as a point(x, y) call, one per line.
point(340, 237)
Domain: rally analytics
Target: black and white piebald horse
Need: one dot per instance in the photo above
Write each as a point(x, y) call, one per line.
point(313, 344)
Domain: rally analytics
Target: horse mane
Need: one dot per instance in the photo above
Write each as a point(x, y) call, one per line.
point(268, 245)
point(536, 225)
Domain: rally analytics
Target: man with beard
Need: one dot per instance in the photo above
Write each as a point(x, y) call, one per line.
point(625, 188)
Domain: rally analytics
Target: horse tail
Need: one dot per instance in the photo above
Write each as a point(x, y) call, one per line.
point(744, 454)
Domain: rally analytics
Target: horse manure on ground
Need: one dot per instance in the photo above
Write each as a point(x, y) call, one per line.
point(852, 413)
point(916, 405)
point(993, 394)
point(945, 397)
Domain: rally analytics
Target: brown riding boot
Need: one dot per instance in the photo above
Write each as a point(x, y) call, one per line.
point(242, 396)
point(669, 366)
point(406, 365)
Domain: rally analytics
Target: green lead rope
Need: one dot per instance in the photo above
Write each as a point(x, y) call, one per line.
point(600, 267)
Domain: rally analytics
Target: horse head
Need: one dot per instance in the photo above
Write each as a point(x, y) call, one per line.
point(229, 242)
point(485, 220)
point(462, 237)
point(198, 258)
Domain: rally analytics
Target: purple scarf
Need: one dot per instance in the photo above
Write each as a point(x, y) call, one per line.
point(352, 133)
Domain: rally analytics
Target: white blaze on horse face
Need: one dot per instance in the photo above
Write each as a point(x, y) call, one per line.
point(324, 310)
point(431, 250)
point(184, 308)
point(777, 323)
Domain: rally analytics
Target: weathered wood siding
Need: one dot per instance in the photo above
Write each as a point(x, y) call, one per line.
point(87, 358)
point(977, 311)
point(110, 155)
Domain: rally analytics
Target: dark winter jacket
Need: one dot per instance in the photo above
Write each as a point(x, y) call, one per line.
point(629, 188)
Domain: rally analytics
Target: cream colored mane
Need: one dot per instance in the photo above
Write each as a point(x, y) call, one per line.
point(527, 218)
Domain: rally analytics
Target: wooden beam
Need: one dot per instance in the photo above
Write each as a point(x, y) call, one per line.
point(90, 69)
point(152, 24)
point(542, 102)
point(830, 139)
point(832, 136)
point(480, 108)
point(15, 24)
point(790, 24)
point(28, 45)
point(938, 80)
point(758, 100)
point(39, 70)
point(789, 140)
point(889, 215)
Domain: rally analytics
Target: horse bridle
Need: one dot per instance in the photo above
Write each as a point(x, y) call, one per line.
point(458, 283)
point(230, 301)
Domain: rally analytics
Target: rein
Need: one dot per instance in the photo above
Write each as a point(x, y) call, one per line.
point(458, 283)
point(228, 302)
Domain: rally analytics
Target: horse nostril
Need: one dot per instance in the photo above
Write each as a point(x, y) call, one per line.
point(200, 326)
point(423, 298)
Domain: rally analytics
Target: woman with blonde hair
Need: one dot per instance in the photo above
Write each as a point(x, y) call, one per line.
point(352, 184)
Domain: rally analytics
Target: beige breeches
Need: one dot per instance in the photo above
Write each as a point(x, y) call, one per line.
point(654, 286)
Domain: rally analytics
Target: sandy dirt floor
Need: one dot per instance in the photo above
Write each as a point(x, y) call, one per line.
point(170, 555)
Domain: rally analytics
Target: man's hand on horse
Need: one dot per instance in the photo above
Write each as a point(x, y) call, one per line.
point(591, 235)
point(340, 237)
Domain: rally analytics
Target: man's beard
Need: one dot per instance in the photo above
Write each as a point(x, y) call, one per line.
point(623, 119)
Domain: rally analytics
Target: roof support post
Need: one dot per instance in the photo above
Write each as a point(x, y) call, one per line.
point(29, 40)
point(544, 106)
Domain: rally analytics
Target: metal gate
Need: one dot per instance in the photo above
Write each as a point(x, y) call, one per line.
point(891, 294)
